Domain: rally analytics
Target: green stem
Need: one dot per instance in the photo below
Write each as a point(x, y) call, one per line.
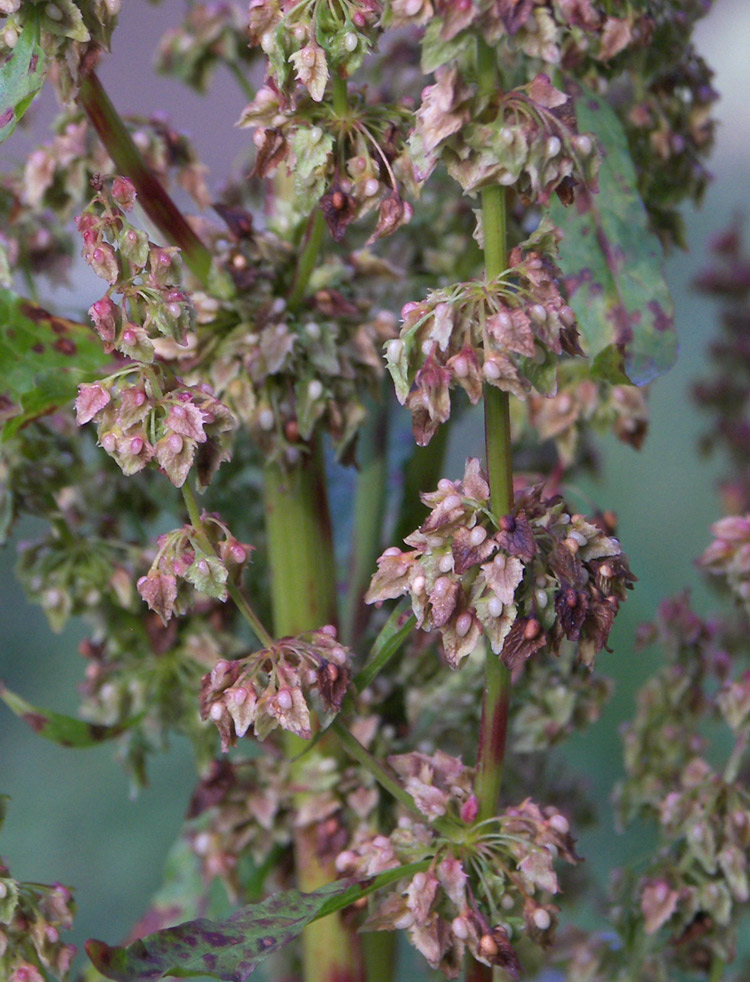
point(717, 969)
point(369, 512)
point(151, 195)
point(357, 752)
point(340, 96)
point(497, 682)
point(308, 258)
point(239, 598)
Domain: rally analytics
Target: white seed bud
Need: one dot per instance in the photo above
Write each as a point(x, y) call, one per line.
point(451, 501)
point(284, 699)
point(10, 36)
point(477, 535)
point(583, 144)
point(463, 624)
point(491, 370)
point(507, 902)
point(460, 927)
point(316, 134)
point(446, 563)
point(392, 551)
point(441, 587)
point(542, 918)
point(579, 537)
point(559, 823)
point(412, 7)
point(495, 606)
point(553, 146)
point(216, 712)
point(312, 330)
point(418, 583)
point(315, 389)
point(445, 485)
point(371, 186)
point(53, 12)
point(541, 598)
point(404, 921)
point(461, 366)
point(266, 419)
point(506, 179)
point(350, 41)
point(394, 349)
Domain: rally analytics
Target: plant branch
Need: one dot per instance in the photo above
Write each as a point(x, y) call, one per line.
point(152, 197)
point(308, 258)
point(239, 598)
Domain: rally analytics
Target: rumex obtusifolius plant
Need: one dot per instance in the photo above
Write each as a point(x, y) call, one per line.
point(456, 198)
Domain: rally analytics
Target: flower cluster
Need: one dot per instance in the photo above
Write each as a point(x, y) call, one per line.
point(506, 333)
point(536, 576)
point(581, 404)
point(270, 688)
point(146, 275)
point(307, 41)
point(69, 39)
point(139, 421)
point(478, 896)
point(189, 560)
point(729, 554)
point(526, 137)
point(726, 392)
point(211, 34)
point(32, 916)
point(694, 887)
point(370, 168)
point(285, 376)
point(558, 33)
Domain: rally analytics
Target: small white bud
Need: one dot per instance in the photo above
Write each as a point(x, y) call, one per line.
point(394, 349)
point(495, 606)
point(54, 12)
point(583, 144)
point(446, 563)
point(559, 823)
point(266, 419)
point(477, 535)
point(315, 389)
point(312, 330)
point(451, 501)
point(463, 624)
point(351, 41)
point(216, 712)
point(418, 584)
point(553, 146)
point(371, 187)
point(284, 699)
point(542, 918)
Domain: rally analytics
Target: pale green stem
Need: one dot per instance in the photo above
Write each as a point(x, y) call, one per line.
point(308, 258)
point(717, 969)
point(369, 511)
point(495, 701)
point(239, 598)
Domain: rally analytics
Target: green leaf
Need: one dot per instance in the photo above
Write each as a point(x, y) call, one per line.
point(386, 645)
point(609, 366)
point(232, 949)
point(21, 77)
point(44, 359)
point(65, 730)
point(612, 263)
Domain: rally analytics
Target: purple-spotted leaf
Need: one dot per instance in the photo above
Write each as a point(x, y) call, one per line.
point(21, 77)
point(232, 949)
point(65, 730)
point(44, 359)
point(612, 263)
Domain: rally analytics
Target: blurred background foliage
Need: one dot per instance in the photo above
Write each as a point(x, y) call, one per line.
point(71, 818)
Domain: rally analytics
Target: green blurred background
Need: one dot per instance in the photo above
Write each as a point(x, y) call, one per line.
point(71, 818)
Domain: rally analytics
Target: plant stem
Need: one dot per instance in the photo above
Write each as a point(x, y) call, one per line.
point(308, 258)
point(495, 700)
point(340, 96)
point(152, 197)
point(303, 597)
point(239, 598)
point(369, 511)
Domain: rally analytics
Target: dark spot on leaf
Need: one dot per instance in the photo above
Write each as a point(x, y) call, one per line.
point(65, 346)
point(7, 116)
point(215, 938)
point(37, 348)
point(618, 316)
point(573, 283)
point(662, 320)
point(266, 943)
point(58, 326)
point(33, 63)
point(36, 721)
point(593, 105)
point(209, 960)
point(34, 313)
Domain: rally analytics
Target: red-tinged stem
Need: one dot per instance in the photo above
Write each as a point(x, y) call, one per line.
point(152, 197)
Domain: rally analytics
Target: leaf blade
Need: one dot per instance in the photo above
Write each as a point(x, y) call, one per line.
point(44, 359)
point(65, 730)
point(21, 78)
point(612, 263)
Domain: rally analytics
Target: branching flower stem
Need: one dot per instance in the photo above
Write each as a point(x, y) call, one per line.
point(152, 197)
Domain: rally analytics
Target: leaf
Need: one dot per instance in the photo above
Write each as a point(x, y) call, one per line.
point(612, 263)
point(21, 77)
point(44, 359)
point(65, 730)
point(232, 949)
point(388, 642)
